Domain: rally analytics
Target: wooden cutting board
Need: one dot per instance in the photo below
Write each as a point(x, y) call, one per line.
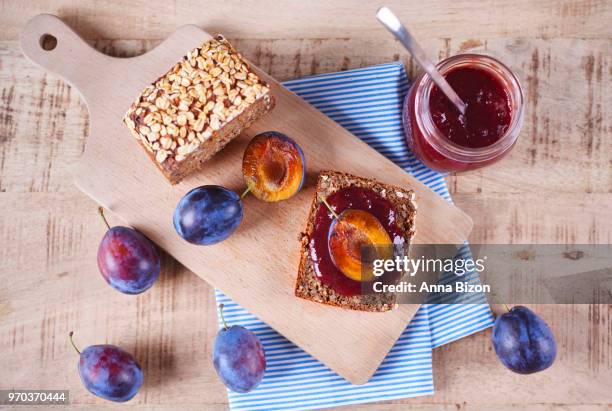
point(256, 266)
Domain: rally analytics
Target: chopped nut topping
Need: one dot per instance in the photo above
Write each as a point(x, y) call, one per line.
point(161, 156)
point(210, 87)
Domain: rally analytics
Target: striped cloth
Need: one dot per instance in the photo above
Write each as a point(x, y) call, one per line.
point(368, 103)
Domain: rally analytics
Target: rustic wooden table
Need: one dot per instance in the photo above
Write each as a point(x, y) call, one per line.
point(555, 187)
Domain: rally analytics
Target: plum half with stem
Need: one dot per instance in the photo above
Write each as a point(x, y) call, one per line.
point(356, 238)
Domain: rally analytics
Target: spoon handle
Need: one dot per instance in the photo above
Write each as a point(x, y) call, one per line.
point(392, 23)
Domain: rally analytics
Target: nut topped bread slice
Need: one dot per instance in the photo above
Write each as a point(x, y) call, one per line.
point(309, 284)
point(197, 107)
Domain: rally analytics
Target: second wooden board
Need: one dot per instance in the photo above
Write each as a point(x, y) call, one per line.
point(256, 266)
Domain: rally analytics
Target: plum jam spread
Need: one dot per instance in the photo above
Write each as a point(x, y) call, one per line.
point(488, 112)
point(353, 198)
point(446, 140)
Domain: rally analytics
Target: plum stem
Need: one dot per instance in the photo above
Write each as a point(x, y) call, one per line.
point(507, 308)
point(70, 334)
point(101, 211)
point(248, 189)
point(222, 317)
point(331, 210)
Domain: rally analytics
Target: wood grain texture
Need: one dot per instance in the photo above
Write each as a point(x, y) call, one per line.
point(319, 19)
point(551, 188)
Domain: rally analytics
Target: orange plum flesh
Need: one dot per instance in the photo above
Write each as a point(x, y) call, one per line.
point(273, 167)
point(349, 234)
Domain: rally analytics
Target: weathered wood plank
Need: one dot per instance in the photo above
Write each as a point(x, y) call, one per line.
point(265, 19)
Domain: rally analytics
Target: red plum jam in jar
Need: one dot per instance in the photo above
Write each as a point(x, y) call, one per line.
point(446, 140)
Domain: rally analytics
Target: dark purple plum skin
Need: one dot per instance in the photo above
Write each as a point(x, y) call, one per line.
point(208, 215)
point(109, 372)
point(523, 342)
point(128, 260)
point(239, 359)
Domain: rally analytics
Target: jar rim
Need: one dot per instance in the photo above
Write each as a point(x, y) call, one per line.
point(451, 149)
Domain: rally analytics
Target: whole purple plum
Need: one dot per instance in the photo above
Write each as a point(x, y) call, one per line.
point(239, 358)
point(523, 342)
point(208, 215)
point(109, 372)
point(128, 260)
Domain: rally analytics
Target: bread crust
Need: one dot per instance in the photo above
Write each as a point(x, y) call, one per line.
point(198, 106)
point(307, 284)
point(175, 172)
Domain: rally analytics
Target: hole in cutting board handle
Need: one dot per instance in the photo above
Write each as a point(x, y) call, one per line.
point(48, 42)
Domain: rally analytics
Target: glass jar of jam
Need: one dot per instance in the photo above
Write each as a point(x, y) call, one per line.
point(444, 139)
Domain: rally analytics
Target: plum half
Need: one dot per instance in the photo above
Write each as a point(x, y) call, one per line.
point(273, 166)
point(352, 233)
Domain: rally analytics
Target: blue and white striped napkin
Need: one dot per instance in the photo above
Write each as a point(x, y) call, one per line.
point(368, 103)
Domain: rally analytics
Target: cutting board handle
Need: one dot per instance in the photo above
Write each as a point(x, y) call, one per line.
point(48, 42)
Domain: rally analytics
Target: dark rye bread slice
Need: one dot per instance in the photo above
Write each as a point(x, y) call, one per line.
point(198, 106)
point(308, 285)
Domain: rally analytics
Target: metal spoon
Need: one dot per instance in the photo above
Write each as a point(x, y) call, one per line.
point(392, 23)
